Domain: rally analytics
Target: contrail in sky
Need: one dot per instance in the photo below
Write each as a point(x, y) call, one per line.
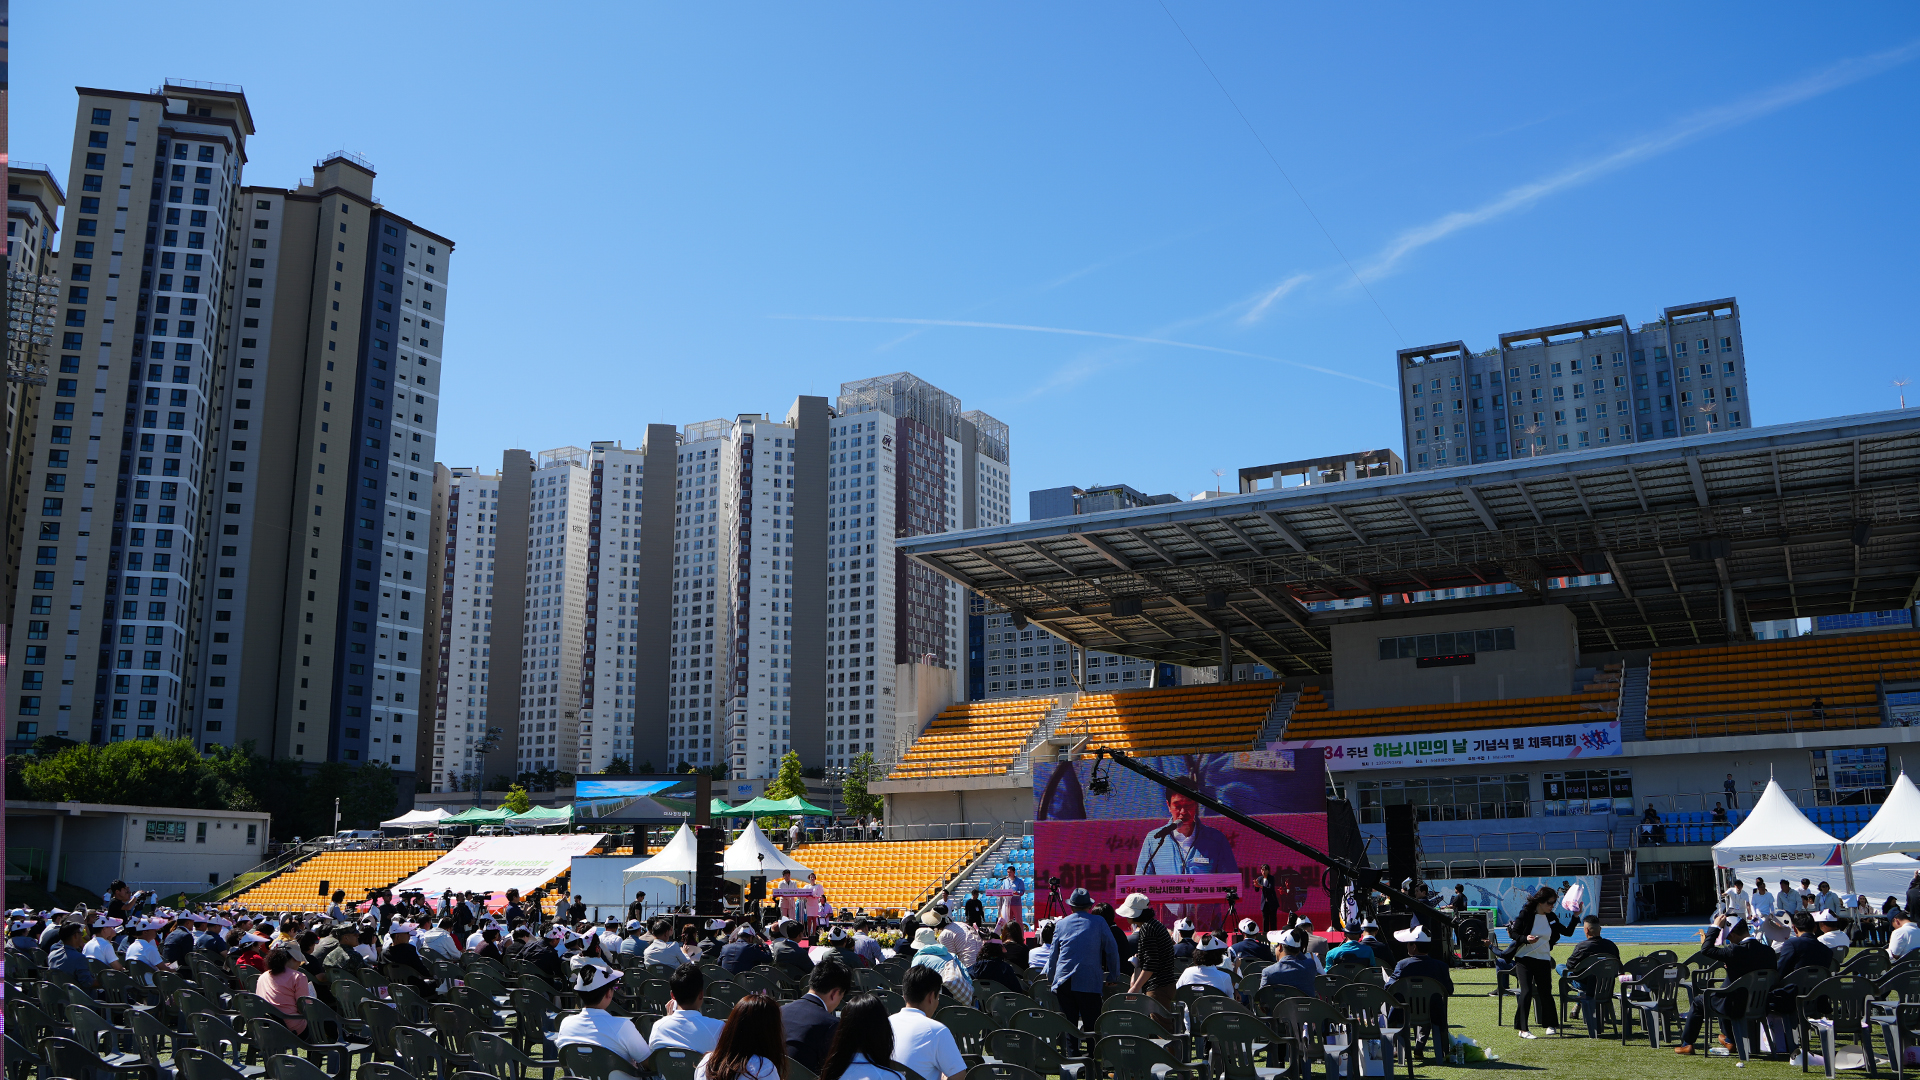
point(1078, 333)
point(1687, 130)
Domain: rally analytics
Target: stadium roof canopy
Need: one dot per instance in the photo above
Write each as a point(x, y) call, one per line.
point(1790, 521)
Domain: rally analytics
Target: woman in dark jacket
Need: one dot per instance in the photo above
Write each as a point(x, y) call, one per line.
point(1533, 933)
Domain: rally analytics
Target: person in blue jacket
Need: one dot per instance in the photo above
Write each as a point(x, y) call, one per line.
point(1185, 844)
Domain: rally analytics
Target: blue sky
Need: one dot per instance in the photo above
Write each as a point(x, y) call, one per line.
point(667, 213)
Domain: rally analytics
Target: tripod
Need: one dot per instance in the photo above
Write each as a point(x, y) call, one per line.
point(1051, 906)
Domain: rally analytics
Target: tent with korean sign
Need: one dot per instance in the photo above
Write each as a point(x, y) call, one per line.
point(1775, 838)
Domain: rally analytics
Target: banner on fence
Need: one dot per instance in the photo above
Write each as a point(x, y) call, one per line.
point(1600, 738)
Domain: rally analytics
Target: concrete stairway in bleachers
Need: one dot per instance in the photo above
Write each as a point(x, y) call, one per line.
point(1633, 703)
point(1061, 707)
point(977, 875)
point(1275, 728)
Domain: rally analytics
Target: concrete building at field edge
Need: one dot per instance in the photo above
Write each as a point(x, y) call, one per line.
point(1576, 385)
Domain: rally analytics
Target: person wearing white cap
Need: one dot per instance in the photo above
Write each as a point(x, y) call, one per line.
point(1156, 971)
point(403, 957)
point(1832, 936)
point(1208, 954)
point(593, 1025)
point(1183, 938)
point(1294, 969)
point(100, 942)
point(745, 952)
point(143, 947)
point(1248, 947)
point(1418, 964)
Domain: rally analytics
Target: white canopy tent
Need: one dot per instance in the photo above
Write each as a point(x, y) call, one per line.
point(753, 854)
point(1776, 835)
point(1896, 827)
point(676, 863)
point(418, 819)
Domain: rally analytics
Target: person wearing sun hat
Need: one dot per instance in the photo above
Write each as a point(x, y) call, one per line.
point(593, 1025)
point(1083, 959)
point(1208, 954)
point(1156, 969)
point(403, 956)
point(99, 947)
point(928, 952)
point(1419, 964)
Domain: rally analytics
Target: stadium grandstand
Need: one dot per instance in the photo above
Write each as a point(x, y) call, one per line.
point(1612, 591)
point(306, 885)
point(898, 875)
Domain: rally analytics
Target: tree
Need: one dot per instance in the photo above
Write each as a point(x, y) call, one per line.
point(617, 767)
point(517, 800)
point(790, 782)
point(853, 790)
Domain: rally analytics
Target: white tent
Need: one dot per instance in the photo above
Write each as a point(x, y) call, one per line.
point(677, 862)
point(1776, 834)
point(1885, 875)
point(1896, 827)
point(754, 854)
point(417, 819)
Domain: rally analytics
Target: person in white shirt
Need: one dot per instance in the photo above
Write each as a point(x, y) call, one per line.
point(1208, 953)
point(610, 937)
point(1038, 956)
point(439, 940)
point(863, 1043)
point(920, 1042)
point(684, 1025)
point(1905, 938)
point(143, 947)
point(100, 943)
point(1760, 902)
point(1806, 894)
point(1831, 935)
point(664, 950)
point(752, 1044)
point(1786, 901)
point(1734, 900)
point(593, 1025)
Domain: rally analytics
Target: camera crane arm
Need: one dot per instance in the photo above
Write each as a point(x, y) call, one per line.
point(1369, 877)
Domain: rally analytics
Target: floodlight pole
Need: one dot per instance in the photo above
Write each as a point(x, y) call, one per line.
point(1367, 876)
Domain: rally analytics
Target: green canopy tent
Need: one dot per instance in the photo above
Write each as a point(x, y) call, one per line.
point(763, 807)
point(476, 816)
point(716, 808)
point(541, 816)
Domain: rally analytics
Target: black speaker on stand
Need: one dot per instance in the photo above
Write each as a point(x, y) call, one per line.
point(1403, 844)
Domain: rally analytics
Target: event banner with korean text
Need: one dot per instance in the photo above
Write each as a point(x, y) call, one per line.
point(1601, 738)
point(1141, 837)
point(487, 864)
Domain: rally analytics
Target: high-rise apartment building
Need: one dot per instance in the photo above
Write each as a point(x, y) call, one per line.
point(117, 518)
point(554, 619)
point(466, 629)
point(321, 568)
point(758, 610)
point(34, 293)
point(1597, 382)
point(902, 460)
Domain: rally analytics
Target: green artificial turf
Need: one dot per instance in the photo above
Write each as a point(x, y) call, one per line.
point(1572, 1054)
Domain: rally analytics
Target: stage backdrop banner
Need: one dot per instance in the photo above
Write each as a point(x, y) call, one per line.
point(1601, 738)
point(499, 863)
point(1137, 838)
point(1508, 895)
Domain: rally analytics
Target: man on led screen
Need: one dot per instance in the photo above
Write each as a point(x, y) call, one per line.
point(1185, 845)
